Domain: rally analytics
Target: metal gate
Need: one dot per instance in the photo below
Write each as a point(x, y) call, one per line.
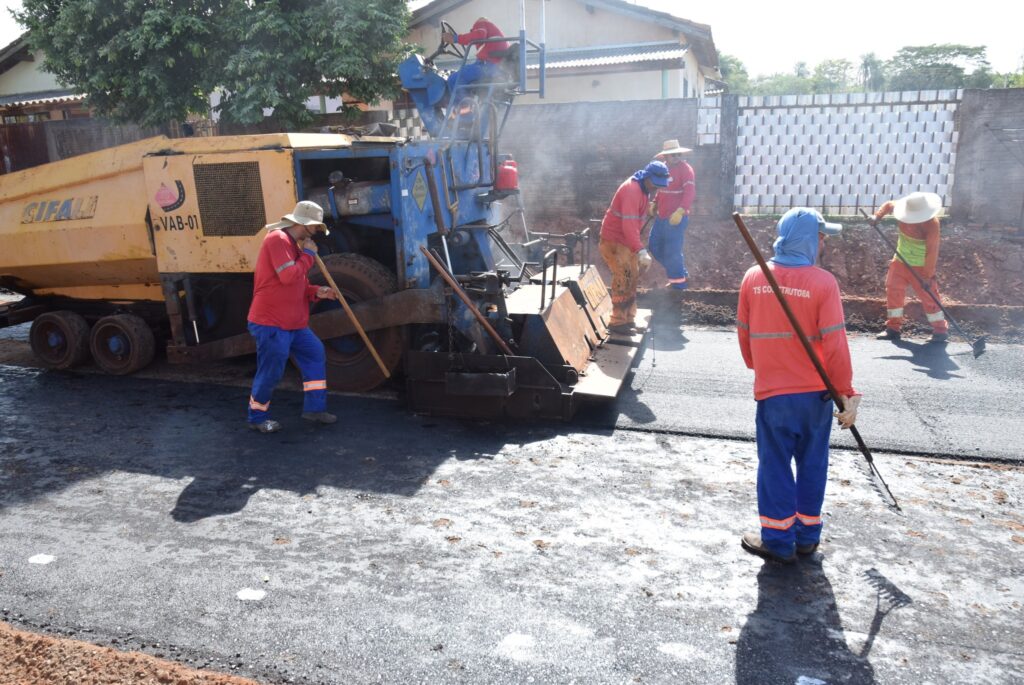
point(22, 146)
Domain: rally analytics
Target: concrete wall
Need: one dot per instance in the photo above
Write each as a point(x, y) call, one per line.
point(572, 157)
point(989, 184)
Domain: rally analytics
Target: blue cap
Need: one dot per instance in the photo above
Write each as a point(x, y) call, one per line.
point(658, 174)
point(798, 229)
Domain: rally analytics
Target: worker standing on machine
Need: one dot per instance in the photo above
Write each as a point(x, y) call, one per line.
point(279, 317)
point(488, 55)
point(620, 240)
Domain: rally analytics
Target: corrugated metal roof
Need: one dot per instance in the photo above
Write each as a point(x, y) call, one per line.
point(45, 97)
point(598, 56)
point(606, 55)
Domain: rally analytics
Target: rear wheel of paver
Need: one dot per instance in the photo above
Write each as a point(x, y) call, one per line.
point(60, 340)
point(350, 366)
point(122, 344)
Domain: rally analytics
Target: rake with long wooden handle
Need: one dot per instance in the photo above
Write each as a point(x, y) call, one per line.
point(876, 477)
point(348, 310)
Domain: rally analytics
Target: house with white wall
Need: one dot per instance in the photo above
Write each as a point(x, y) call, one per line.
point(596, 50)
point(29, 93)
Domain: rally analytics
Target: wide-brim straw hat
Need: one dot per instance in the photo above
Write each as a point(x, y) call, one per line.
point(672, 147)
point(917, 208)
point(306, 213)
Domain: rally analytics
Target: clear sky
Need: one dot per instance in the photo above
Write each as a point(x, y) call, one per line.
point(770, 37)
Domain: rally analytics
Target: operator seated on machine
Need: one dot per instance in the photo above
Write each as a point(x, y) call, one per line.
point(488, 55)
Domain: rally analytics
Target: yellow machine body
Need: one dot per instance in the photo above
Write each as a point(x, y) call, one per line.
point(104, 225)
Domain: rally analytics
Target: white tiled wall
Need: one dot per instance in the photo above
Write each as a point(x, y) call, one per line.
point(839, 153)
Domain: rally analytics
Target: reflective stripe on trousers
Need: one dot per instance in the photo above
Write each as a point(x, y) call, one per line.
point(792, 428)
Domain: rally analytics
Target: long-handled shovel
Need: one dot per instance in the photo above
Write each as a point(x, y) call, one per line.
point(876, 477)
point(348, 310)
point(978, 346)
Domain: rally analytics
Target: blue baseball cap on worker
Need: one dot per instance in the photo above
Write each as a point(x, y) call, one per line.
point(658, 174)
point(798, 229)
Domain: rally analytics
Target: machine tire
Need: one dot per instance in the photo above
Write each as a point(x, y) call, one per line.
point(121, 344)
point(350, 366)
point(60, 340)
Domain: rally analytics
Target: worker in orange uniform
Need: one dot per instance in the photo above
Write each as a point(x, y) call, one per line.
point(279, 317)
point(620, 239)
point(488, 55)
point(794, 410)
point(673, 205)
point(918, 244)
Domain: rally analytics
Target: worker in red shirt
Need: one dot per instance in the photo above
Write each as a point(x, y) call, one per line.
point(918, 243)
point(620, 243)
point(673, 205)
point(279, 317)
point(488, 55)
point(794, 410)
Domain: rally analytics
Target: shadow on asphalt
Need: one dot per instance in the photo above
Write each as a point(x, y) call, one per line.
point(795, 634)
point(931, 359)
point(665, 334)
point(61, 429)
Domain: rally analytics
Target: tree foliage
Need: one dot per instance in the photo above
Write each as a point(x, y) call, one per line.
point(932, 67)
point(733, 73)
point(150, 61)
point(832, 76)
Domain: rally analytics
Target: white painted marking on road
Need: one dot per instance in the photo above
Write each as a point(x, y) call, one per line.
point(41, 559)
point(807, 680)
point(516, 646)
point(250, 595)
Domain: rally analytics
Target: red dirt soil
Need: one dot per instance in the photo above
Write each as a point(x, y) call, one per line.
point(30, 659)
point(980, 271)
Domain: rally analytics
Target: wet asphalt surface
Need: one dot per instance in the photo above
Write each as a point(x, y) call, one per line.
point(390, 548)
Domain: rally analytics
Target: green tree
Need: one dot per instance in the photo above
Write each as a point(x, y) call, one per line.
point(933, 67)
point(832, 76)
point(734, 73)
point(872, 72)
point(781, 84)
point(150, 61)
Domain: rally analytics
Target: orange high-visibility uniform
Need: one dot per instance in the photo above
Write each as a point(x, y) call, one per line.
point(918, 244)
point(620, 243)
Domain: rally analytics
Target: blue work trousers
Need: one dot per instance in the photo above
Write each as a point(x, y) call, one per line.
point(273, 347)
point(792, 428)
point(473, 72)
point(666, 245)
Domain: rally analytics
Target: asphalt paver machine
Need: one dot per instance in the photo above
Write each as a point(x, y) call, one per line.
point(156, 241)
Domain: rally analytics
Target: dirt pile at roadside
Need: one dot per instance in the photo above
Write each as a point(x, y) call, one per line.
point(977, 265)
point(31, 659)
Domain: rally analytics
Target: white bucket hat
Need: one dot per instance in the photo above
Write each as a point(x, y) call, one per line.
point(306, 213)
point(917, 208)
point(672, 147)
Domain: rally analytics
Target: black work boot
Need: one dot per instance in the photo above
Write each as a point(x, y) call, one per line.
point(319, 417)
point(888, 334)
point(807, 550)
point(752, 543)
point(267, 426)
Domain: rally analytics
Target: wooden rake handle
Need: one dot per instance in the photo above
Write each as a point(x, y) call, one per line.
point(348, 310)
